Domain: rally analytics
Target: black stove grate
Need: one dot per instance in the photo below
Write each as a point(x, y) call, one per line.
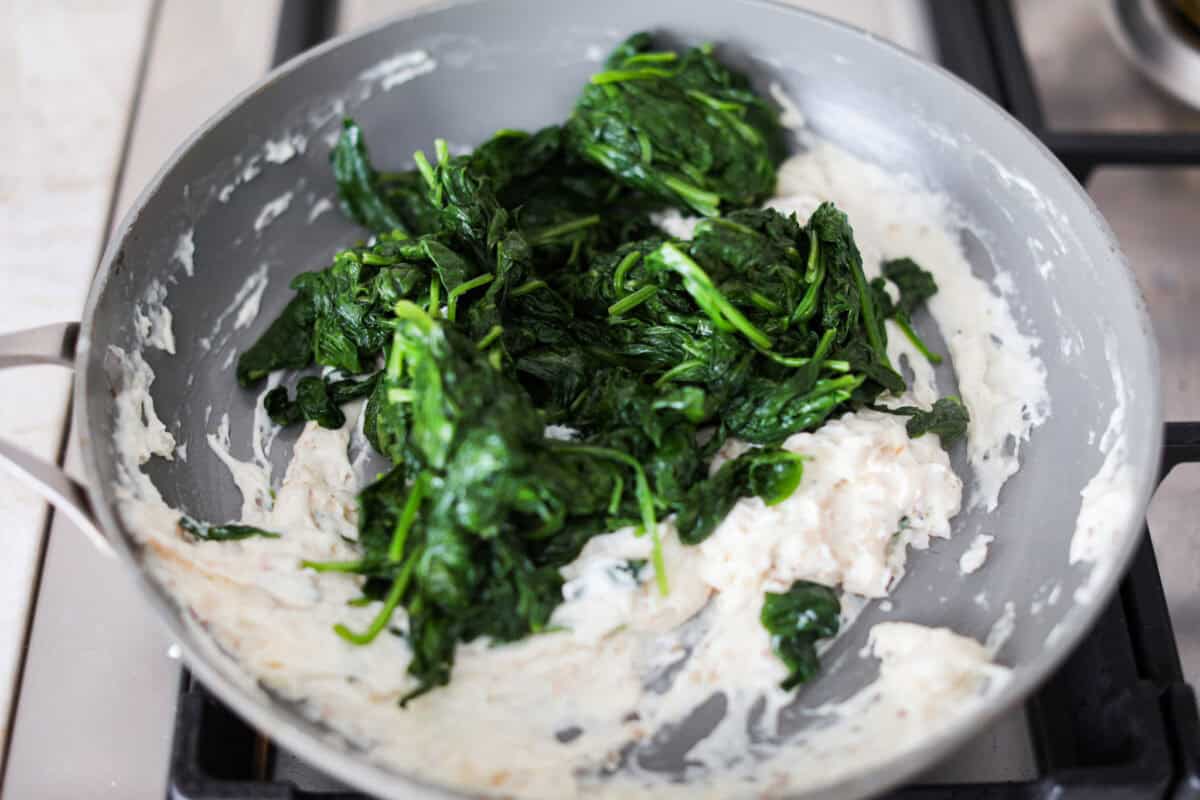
point(978, 40)
point(1117, 721)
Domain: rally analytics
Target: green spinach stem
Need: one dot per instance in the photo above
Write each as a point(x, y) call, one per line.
point(632, 300)
point(389, 607)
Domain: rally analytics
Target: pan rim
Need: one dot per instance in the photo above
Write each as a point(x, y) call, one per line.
point(286, 725)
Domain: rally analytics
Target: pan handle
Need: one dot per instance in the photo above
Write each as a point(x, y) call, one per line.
point(48, 344)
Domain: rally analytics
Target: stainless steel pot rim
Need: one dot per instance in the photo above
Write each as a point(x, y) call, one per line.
point(357, 770)
point(1157, 46)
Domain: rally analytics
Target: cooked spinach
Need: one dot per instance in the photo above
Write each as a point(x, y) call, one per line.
point(222, 533)
point(948, 419)
point(381, 202)
point(915, 286)
point(316, 399)
point(287, 344)
point(359, 192)
point(770, 474)
point(684, 128)
point(460, 526)
point(796, 619)
point(525, 284)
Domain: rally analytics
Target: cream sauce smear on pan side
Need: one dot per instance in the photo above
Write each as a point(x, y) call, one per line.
point(554, 715)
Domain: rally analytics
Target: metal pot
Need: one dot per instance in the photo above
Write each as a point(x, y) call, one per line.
point(464, 69)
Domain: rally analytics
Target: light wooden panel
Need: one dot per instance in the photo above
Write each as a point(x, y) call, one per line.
point(95, 712)
point(204, 55)
point(63, 109)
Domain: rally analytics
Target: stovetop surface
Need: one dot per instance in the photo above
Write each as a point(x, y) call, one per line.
point(1084, 85)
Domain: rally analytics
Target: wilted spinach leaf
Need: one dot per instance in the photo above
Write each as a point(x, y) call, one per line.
point(316, 399)
point(286, 344)
point(685, 128)
point(948, 419)
point(222, 533)
point(915, 286)
point(767, 473)
point(358, 189)
point(796, 619)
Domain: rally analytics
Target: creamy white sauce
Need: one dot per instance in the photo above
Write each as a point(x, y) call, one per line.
point(1002, 629)
point(138, 431)
point(255, 285)
point(285, 148)
point(274, 151)
point(152, 319)
point(360, 451)
point(252, 169)
point(673, 223)
point(244, 308)
point(621, 639)
point(1110, 497)
point(974, 556)
point(1004, 282)
point(550, 715)
point(400, 68)
point(253, 481)
point(1055, 633)
point(560, 432)
point(320, 207)
point(1001, 379)
point(263, 433)
point(326, 111)
point(928, 678)
point(272, 210)
point(868, 492)
point(790, 115)
point(185, 251)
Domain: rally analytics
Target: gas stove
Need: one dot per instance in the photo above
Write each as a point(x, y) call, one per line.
point(1119, 719)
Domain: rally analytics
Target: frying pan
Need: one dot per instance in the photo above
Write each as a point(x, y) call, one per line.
point(463, 70)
